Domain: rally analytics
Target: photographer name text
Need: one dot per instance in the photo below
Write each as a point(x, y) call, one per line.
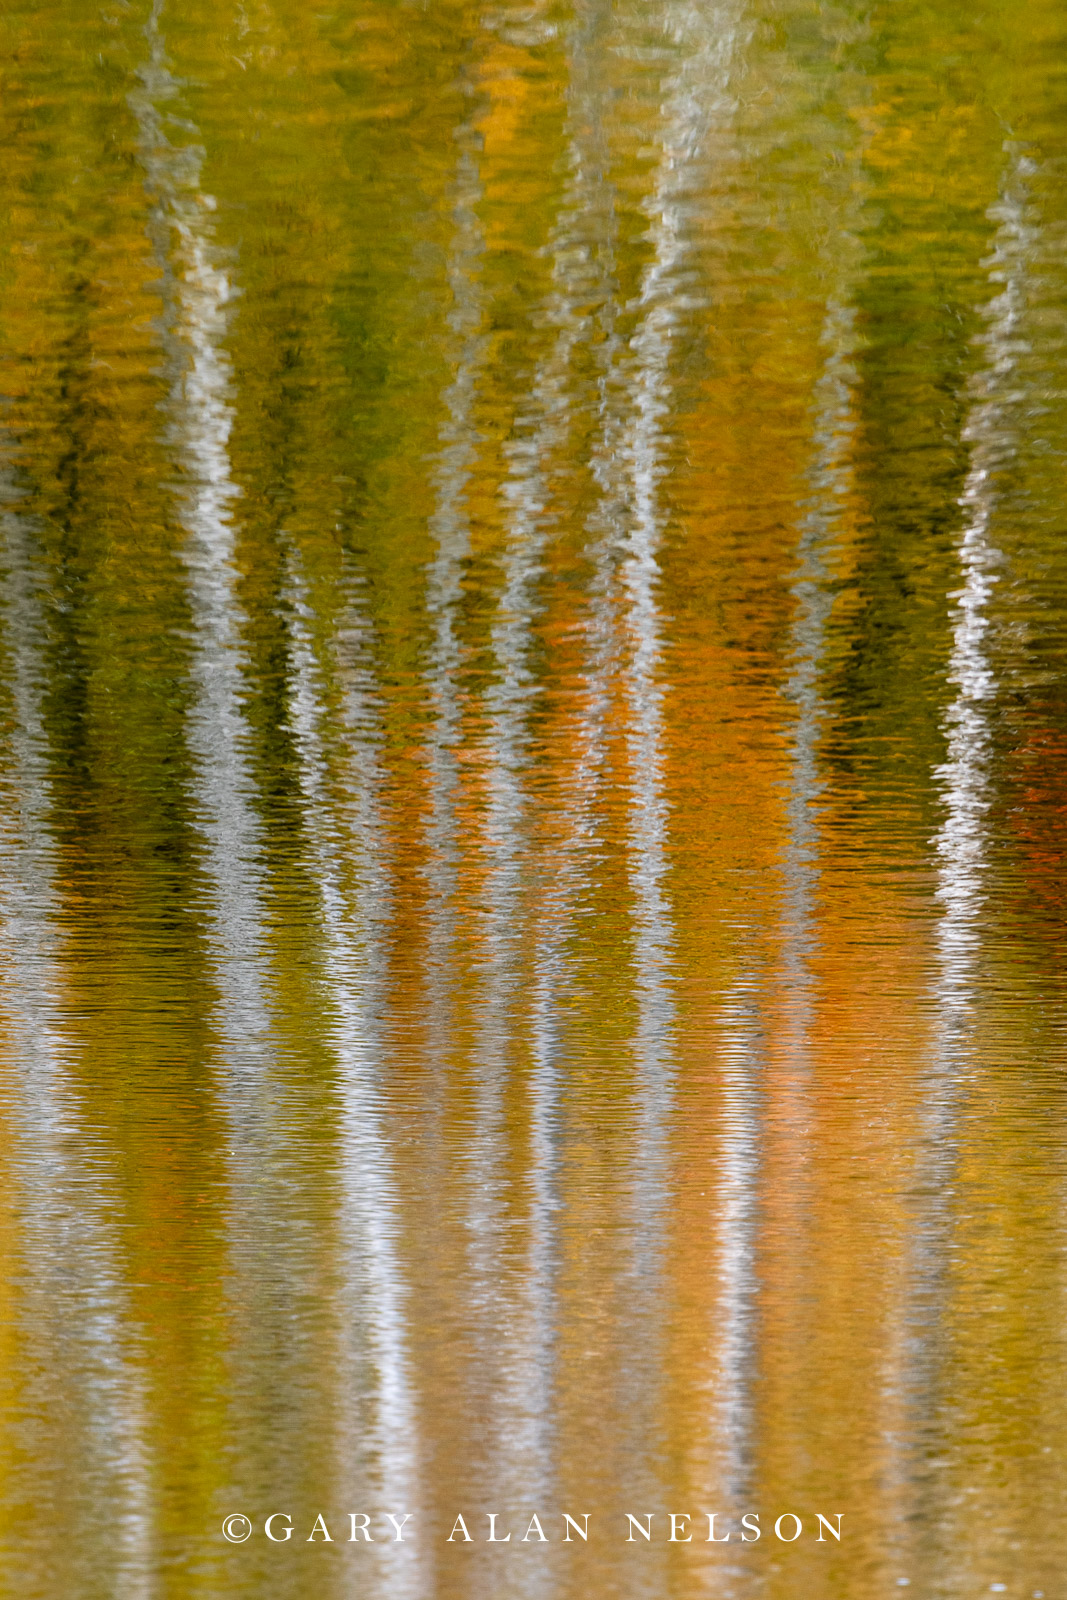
point(493, 1527)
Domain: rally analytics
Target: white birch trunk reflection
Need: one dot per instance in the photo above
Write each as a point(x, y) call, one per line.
point(581, 261)
point(830, 480)
point(449, 528)
point(197, 295)
point(965, 779)
point(375, 1399)
point(966, 785)
point(789, 1105)
point(743, 1062)
point(631, 463)
point(83, 1467)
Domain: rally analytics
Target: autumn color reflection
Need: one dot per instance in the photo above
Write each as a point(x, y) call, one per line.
point(532, 607)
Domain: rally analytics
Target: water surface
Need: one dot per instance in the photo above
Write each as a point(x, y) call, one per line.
point(533, 745)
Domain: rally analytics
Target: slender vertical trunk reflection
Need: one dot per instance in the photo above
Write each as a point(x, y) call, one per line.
point(477, 1172)
point(581, 246)
point(965, 778)
point(743, 1058)
point(84, 1472)
point(819, 534)
point(966, 781)
point(197, 293)
point(697, 97)
point(451, 531)
point(820, 531)
point(450, 528)
point(341, 811)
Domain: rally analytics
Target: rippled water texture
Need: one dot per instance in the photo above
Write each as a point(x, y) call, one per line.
point(533, 789)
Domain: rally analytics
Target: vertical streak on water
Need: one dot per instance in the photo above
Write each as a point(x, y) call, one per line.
point(790, 1094)
point(965, 781)
point(196, 294)
point(75, 1306)
point(580, 263)
point(742, 1029)
point(705, 39)
point(449, 527)
point(350, 876)
point(737, 1211)
point(829, 482)
point(964, 776)
point(479, 1172)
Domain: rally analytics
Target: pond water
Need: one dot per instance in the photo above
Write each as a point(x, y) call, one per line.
point(533, 790)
